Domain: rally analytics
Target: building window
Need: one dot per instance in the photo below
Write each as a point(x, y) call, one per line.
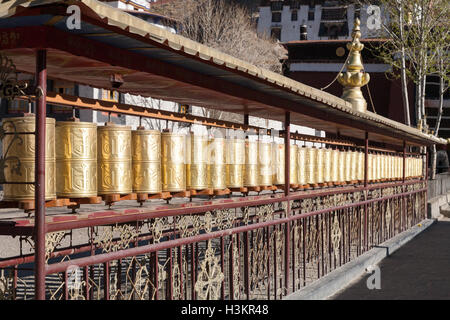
point(334, 14)
point(276, 16)
point(311, 15)
point(110, 95)
point(276, 5)
point(275, 33)
point(333, 30)
point(294, 15)
point(295, 5)
point(17, 106)
point(63, 87)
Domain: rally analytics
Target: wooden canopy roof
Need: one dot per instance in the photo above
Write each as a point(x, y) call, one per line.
point(156, 63)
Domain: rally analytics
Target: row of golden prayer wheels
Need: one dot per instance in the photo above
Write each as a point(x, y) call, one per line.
point(86, 160)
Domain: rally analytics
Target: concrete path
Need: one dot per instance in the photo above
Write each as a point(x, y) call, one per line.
point(418, 270)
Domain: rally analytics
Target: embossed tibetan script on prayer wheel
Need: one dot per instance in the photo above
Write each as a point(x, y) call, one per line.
point(251, 164)
point(335, 166)
point(114, 159)
point(19, 154)
point(319, 165)
point(293, 170)
point(217, 163)
point(173, 167)
point(235, 162)
point(327, 165)
point(146, 160)
point(76, 159)
point(278, 174)
point(197, 162)
point(310, 166)
point(301, 166)
point(265, 163)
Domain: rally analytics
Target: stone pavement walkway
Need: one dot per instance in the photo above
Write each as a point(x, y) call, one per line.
point(418, 270)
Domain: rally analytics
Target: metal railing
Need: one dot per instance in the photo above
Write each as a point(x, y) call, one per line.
point(261, 248)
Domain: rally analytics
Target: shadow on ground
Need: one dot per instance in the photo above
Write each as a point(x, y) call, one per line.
point(418, 270)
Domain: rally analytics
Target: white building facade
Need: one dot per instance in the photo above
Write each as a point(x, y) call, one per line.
point(324, 20)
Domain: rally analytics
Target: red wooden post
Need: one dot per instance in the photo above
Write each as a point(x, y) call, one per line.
point(41, 80)
point(287, 186)
point(366, 169)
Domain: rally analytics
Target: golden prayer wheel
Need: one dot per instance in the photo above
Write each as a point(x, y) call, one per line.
point(348, 166)
point(395, 167)
point(361, 166)
point(370, 167)
point(235, 163)
point(19, 154)
point(310, 165)
point(265, 163)
point(146, 161)
point(76, 159)
point(251, 173)
point(301, 166)
point(377, 167)
point(408, 167)
point(389, 167)
point(173, 167)
point(385, 165)
point(341, 169)
point(319, 165)
point(382, 166)
point(114, 159)
point(335, 155)
point(354, 166)
point(327, 165)
point(217, 164)
point(278, 174)
point(293, 169)
point(421, 173)
point(197, 162)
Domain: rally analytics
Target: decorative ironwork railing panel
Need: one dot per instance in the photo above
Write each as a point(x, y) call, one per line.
point(265, 251)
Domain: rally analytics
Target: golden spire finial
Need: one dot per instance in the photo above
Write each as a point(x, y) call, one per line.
point(354, 78)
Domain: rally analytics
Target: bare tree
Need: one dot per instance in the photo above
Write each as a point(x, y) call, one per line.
point(414, 31)
point(158, 104)
point(227, 26)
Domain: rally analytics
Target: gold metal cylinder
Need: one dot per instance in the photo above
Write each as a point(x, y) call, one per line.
point(251, 172)
point(354, 166)
point(310, 165)
point(293, 162)
point(76, 159)
point(370, 167)
point(398, 168)
point(301, 166)
point(361, 166)
point(173, 167)
point(217, 164)
point(114, 159)
point(197, 162)
point(348, 166)
point(388, 167)
point(376, 169)
point(327, 165)
point(342, 160)
point(265, 163)
point(278, 176)
point(335, 166)
point(235, 163)
point(146, 161)
point(319, 165)
point(19, 154)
